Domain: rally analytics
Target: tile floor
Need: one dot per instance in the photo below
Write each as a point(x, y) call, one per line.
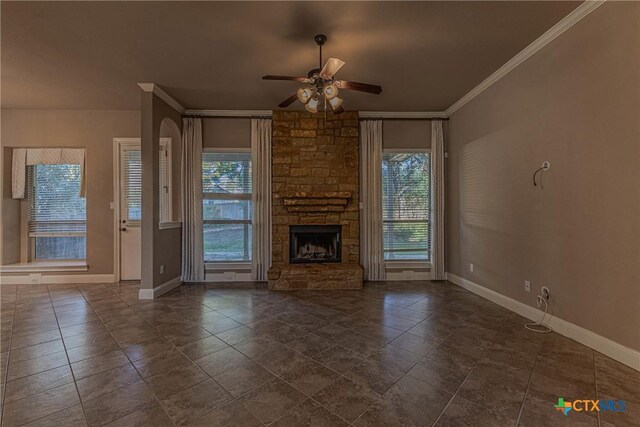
point(414, 353)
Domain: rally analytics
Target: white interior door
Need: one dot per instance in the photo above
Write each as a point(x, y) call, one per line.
point(130, 211)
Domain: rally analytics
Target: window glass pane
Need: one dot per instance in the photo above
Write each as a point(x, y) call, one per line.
point(227, 209)
point(55, 193)
point(57, 213)
point(60, 247)
point(225, 173)
point(227, 242)
point(406, 241)
point(406, 201)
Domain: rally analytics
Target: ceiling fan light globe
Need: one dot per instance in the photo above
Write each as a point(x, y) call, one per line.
point(330, 91)
point(305, 94)
point(312, 105)
point(335, 103)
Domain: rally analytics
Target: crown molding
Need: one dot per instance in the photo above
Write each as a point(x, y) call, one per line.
point(229, 113)
point(402, 114)
point(157, 90)
point(567, 22)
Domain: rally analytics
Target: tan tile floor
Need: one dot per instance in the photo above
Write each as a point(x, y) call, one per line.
point(415, 353)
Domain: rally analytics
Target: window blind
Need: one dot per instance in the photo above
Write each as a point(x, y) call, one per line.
point(132, 184)
point(55, 207)
point(165, 186)
point(226, 173)
point(406, 201)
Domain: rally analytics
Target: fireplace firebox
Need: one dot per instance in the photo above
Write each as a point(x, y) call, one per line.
point(314, 244)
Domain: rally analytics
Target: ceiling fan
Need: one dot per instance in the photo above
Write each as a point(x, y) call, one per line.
point(322, 84)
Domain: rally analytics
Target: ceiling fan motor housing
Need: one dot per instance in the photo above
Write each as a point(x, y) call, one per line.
point(320, 39)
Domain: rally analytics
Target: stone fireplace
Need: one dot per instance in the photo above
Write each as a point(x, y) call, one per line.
point(315, 201)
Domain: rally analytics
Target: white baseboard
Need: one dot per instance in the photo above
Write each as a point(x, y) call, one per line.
point(228, 276)
point(407, 275)
point(619, 352)
point(57, 279)
point(160, 290)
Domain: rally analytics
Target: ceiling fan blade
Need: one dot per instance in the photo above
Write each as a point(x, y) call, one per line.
point(290, 100)
point(362, 87)
point(331, 67)
point(297, 79)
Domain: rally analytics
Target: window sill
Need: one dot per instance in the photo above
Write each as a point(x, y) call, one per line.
point(228, 266)
point(391, 265)
point(169, 224)
point(45, 267)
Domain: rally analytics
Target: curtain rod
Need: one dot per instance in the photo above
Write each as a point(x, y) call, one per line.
point(208, 116)
point(403, 118)
point(381, 115)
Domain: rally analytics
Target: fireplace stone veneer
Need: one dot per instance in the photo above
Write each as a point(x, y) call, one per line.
point(315, 182)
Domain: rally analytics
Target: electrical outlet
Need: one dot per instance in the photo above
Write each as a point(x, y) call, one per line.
point(527, 286)
point(35, 278)
point(471, 268)
point(162, 269)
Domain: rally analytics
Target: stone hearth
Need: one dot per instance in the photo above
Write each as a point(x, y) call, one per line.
point(315, 176)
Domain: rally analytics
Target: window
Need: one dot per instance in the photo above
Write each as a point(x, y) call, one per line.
point(406, 201)
point(132, 184)
point(57, 214)
point(226, 206)
point(165, 180)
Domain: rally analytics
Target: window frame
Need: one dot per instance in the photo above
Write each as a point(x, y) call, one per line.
point(411, 263)
point(30, 237)
point(212, 265)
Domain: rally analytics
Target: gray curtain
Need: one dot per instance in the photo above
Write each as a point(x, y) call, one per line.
point(371, 244)
point(437, 168)
point(261, 165)
point(192, 230)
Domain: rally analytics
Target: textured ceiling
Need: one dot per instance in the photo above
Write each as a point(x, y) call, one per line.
point(211, 55)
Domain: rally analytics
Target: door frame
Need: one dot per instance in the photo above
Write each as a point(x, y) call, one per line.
point(118, 143)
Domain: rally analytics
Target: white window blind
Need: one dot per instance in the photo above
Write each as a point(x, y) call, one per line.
point(226, 206)
point(406, 201)
point(132, 184)
point(57, 214)
point(165, 182)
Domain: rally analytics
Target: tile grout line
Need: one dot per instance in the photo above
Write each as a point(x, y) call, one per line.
point(595, 377)
point(75, 384)
point(470, 371)
point(423, 358)
point(158, 401)
point(526, 392)
point(117, 343)
point(277, 376)
point(6, 368)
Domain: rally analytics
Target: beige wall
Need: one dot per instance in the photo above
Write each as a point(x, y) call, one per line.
point(406, 134)
point(226, 132)
point(94, 130)
point(576, 104)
